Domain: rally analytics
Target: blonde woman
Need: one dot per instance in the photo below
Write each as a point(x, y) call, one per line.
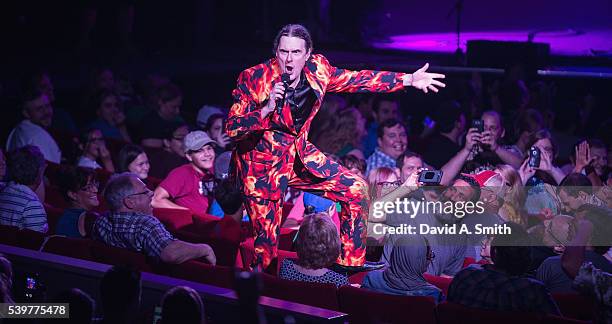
point(514, 196)
point(347, 135)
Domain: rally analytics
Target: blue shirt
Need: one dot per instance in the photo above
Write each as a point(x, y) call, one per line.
point(379, 159)
point(375, 281)
point(68, 223)
point(371, 140)
point(20, 207)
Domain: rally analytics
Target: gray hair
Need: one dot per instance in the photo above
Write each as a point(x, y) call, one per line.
point(119, 186)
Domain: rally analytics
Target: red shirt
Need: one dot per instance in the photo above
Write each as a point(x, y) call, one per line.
point(184, 184)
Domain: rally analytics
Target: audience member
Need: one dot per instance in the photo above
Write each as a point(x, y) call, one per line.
point(526, 125)
point(587, 278)
point(489, 152)
point(19, 204)
point(354, 164)
point(346, 137)
point(503, 285)
point(318, 248)
point(120, 292)
point(169, 102)
point(111, 119)
point(410, 257)
point(80, 190)
point(591, 159)
point(94, 149)
point(514, 195)
point(409, 163)
point(190, 186)
point(392, 141)
point(38, 114)
point(132, 158)
point(450, 125)
point(551, 272)
point(211, 120)
point(182, 304)
point(62, 121)
point(130, 224)
point(173, 154)
point(376, 110)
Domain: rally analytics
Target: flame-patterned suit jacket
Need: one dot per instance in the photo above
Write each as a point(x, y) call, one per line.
point(266, 146)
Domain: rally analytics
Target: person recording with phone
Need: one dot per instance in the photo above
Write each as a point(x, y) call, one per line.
point(270, 121)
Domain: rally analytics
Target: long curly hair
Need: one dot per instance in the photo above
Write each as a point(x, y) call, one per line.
point(349, 129)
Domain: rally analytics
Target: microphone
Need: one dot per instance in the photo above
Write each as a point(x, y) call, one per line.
point(285, 77)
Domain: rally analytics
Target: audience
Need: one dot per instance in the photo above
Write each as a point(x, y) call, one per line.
point(376, 110)
point(62, 120)
point(409, 163)
point(20, 206)
point(346, 137)
point(132, 158)
point(120, 292)
point(169, 102)
point(211, 120)
point(190, 186)
point(503, 285)
point(514, 195)
point(182, 304)
point(38, 114)
point(173, 153)
point(450, 124)
point(318, 248)
point(94, 149)
point(392, 141)
point(130, 224)
point(409, 259)
point(80, 190)
point(111, 119)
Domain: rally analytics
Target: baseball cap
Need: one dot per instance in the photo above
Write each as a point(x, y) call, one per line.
point(196, 140)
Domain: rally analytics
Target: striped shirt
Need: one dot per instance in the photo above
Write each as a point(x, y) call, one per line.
point(20, 207)
point(136, 232)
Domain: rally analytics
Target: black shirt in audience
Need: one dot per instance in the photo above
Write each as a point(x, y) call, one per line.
point(440, 150)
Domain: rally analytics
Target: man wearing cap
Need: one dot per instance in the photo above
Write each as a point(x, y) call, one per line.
point(190, 186)
point(274, 105)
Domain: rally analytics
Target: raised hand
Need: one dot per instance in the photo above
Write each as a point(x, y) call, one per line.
point(423, 80)
point(583, 156)
point(472, 138)
point(525, 171)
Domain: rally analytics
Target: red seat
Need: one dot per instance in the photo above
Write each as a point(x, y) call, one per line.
point(358, 277)
point(274, 268)
point(365, 306)
point(219, 276)
point(54, 197)
point(307, 293)
point(117, 256)
point(70, 247)
point(152, 182)
point(441, 282)
point(451, 313)
point(574, 305)
point(53, 216)
point(8, 235)
point(29, 239)
point(173, 219)
point(467, 261)
point(225, 251)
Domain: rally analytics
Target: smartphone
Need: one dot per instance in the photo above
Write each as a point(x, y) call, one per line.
point(478, 124)
point(430, 177)
point(535, 155)
point(32, 286)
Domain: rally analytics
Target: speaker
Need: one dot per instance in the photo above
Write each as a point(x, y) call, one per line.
point(498, 54)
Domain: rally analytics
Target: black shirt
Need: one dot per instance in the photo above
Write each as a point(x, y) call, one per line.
point(440, 150)
point(300, 100)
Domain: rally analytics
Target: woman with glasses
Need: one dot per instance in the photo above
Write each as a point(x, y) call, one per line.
point(80, 190)
point(410, 257)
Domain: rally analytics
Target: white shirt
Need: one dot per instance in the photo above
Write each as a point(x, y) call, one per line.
point(88, 163)
point(28, 133)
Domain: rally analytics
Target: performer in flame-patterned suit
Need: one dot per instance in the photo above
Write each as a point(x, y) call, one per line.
point(273, 151)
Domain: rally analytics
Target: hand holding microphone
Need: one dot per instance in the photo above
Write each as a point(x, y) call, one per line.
point(277, 96)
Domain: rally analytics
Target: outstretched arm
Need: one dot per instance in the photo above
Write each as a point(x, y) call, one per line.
point(381, 81)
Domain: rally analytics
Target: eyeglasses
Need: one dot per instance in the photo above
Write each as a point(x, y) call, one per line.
point(389, 183)
point(146, 192)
